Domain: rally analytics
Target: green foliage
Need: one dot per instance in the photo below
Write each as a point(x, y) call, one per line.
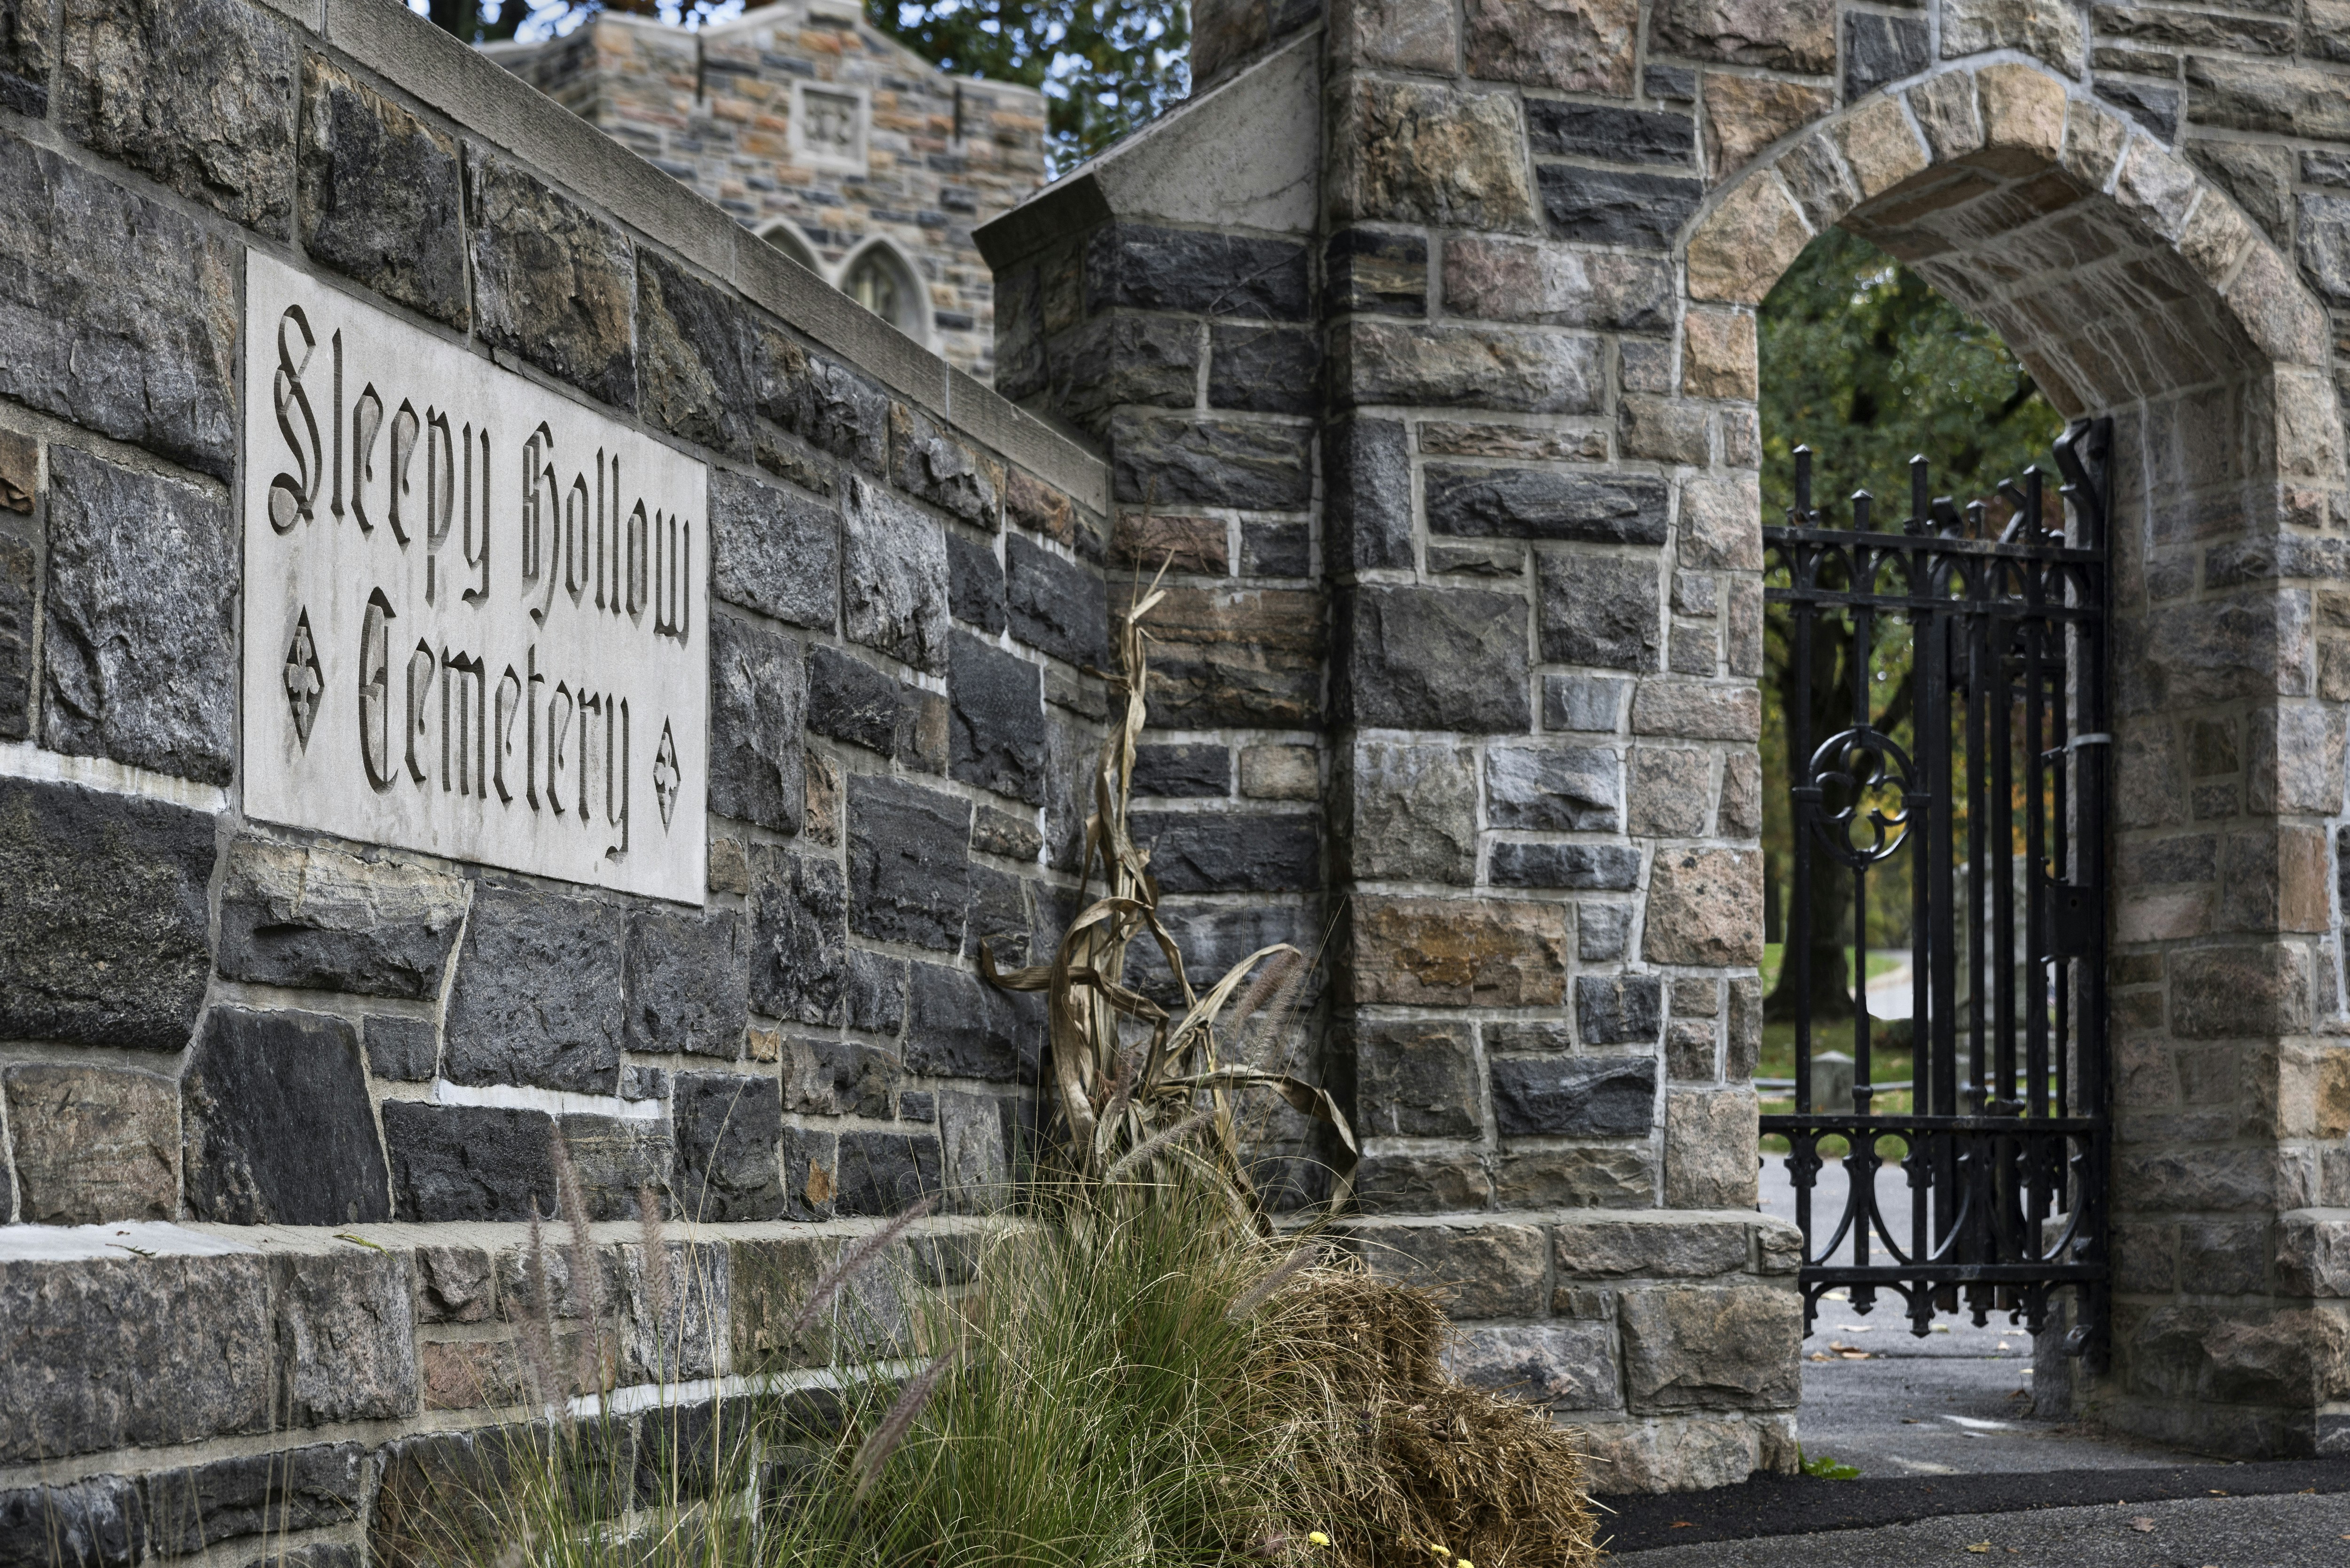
point(1106, 66)
point(1824, 1467)
point(493, 21)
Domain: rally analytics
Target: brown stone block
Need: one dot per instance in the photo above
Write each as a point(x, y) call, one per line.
point(466, 1375)
point(1493, 1270)
point(1449, 438)
point(1709, 1158)
point(2052, 29)
point(1945, 110)
point(1588, 1176)
point(1667, 793)
point(1150, 540)
point(1746, 114)
point(1422, 1183)
point(1029, 502)
point(2269, 302)
point(1880, 147)
point(1718, 354)
point(2156, 187)
point(2308, 425)
point(93, 1145)
point(1458, 952)
point(1787, 35)
point(1374, 360)
point(1691, 711)
point(1664, 429)
point(1742, 246)
point(2215, 240)
point(1722, 522)
point(2296, 1359)
point(2023, 111)
point(2300, 1091)
point(1575, 45)
point(1413, 152)
point(1409, 35)
point(1502, 279)
point(2292, 760)
point(1712, 1347)
point(1250, 656)
point(1823, 186)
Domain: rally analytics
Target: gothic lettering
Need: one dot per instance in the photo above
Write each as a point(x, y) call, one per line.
point(292, 496)
point(403, 449)
point(367, 419)
point(375, 691)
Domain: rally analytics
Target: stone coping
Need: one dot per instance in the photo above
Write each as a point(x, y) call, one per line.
point(134, 1239)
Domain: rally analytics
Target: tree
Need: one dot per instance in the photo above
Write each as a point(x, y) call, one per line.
point(492, 21)
point(1862, 362)
point(1106, 67)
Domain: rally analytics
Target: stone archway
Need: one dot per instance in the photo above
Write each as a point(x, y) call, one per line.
point(2131, 287)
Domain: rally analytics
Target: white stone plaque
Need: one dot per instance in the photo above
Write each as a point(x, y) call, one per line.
point(476, 613)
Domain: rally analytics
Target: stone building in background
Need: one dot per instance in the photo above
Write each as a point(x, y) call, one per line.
point(836, 145)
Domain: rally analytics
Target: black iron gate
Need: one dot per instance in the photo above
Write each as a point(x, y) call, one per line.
point(1999, 806)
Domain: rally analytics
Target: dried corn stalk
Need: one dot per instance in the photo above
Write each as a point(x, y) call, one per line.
point(1126, 1114)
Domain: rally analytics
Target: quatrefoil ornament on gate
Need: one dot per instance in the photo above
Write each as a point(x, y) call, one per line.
point(1859, 761)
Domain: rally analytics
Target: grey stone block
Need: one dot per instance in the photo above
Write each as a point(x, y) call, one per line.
point(1574, 1096)
point(773, 550)
point(97, 1523)
point(875, 994)
point(997, 702)
point(1599, 206)
point(895, 577)
point(850, 701)
point(1276, 549)
point(1167, 460)
point(1880, 49)
point(538, 992)
point(1371, 270)
point(962, 1027)
point(122, 312)
point(139, 651)
point(1433, 659)
point(1125, 358)
point(1415, 1080)
point(197, 94)
point(469, 1162)
point(2155, 108)
point(1674, 1244)
point(1183, 771)
point(976, 583)
point(1367, 511)
point(345, 1335)
point(1055, 606)
point(2325, 245)
point(401, 1050)
point(907, 862)
point(696, 358)
point(315, 918)
point(1264, 369)
point(1610, 867)
point(933, 466)
point(1411, 812)
point(25, 50)
point(18, 570)
point(1200, 272)
point(1618, 1009)
point(382, 194)
point(886, 1172)
point(998, 915)
point(1698, 1347)
point(1603, 932)
point(811, 1157)
point(1557, 789)
point(825, 404)
point(1588, 702)
point(1230, 852)
point(1610, 134)
point(275, 1111)
point(798, 936)
point(93, 1144)
point(1600, 609)
point(728, 1128)
point(552, 281)
point(104, 936)
point(1567, 1365)
point(1545, 503)
point(91, 1334)
point(1672, 83)
point(688, 977)
point(311, 1487)
point(758, 708)
point(974, 1148)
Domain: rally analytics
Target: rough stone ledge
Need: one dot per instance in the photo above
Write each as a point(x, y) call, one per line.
point(168, 1238)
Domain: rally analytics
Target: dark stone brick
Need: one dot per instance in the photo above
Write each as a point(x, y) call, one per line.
point(850, 701)
point(402, 1050)
point(1001, 832)
point(1368, 514)
point(98, 1522)
point(1545, 503)
point(315, 918)
point(552, 281)
point(18, 569)
point(382, 194)
point(1214, 938)
point(696, 359)
point(1601, 206)
point(1672, 83)
point(687, 982)
point(24, 57)
point(974, 583)
point(962, 1027)
point(616, 1158)
point(1055, 606)
point(876, 993)
point(886, 1172)
point(758, 703)
point(537, 998)
point(1276, 549)
point(728, 1128)
point(104, 933)
point(998, 732)
point(798, 940)
point(1183, 772)
point(1171, 459)
point(469, 1162)
point(120, 314)
point(1553, 789)
point(1126, 358)
point(906, 867)
point(313, 1488)
point(1415, 1080)
point(1574, 1096)
point(1608, 867)
point(2321, 168)
point(915, 1105)
point(1433, 659)
point(1203, 273)
point(1880, 49)
point(1372, 271)
point(810, 1156)
point(844, 1078)
point(1600, 609)
point(1615, 135)
point(2155, 108)
point(197, 94)
point(998, 915)
point(1264, 369)
point(138, 655)
point(773, 550)
point(934, 465)
point(895, 579)
point(827, 405)
point(275, 1111)
point(2325, 246)
point(1619, 1009)
point(1227, 852)
point(346, 1324)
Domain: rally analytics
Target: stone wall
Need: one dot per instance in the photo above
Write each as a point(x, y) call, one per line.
point(1521, 248)
point(275, 1108)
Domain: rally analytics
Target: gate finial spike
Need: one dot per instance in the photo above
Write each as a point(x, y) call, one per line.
point(1861, 501)
point(1803, 486)
point(1920, 495)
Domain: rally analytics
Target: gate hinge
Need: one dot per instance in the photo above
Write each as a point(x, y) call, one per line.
point(2096, 738)
point(2070, 916)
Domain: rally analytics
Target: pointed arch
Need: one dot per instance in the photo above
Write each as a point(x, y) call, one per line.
point(881, 277)
point(785, 236)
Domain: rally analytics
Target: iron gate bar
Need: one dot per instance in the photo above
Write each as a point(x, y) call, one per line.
point(2006, 1154)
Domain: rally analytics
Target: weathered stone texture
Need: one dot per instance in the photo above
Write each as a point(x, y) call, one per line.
point(1415, 1080)
point(1167, 458)
point(1710, 1160)
point(1576, 45)
point(1054, 605)
point(538, 996)
point(382, 194)
point(687, 979)
point(799, 939)
point(1618, 1009)
point(93, 1145)
point(1193, 852)
point(773, 550)
point(1444, 953)
point(199, 94)
point(278, 1126)
point(1411, 812)
point(139, 646)
point(1746, 114)
point(894, 572)
point(1522, 280)
point(316, 918)
point(1141, 267)
point(1601, 206)
point(1706, 1347)
point(317, 1487)
point(959, 1026)
point(469, 1162)
point(26, 55)
point(1545, 503)
point(104, 935)
point(552, 281)
point(1799, 36)
point(1670, 1244)
point(825, 404)
point(1433, 659)
point(2050, 29)
point(758, 706)
point(1474, 1271)
point(728, 1129)
point(345, 1335)
point(1600, 609)
point(907, 868)
point(1574, 1097)
point(1412, 152)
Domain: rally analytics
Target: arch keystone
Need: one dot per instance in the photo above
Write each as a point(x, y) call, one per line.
point(1945, 109)
point(2024, 113)
point(1744, 244)
point(1880, 146)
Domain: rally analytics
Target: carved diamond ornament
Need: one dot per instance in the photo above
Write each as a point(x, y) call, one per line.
point(666, 775)
point(304, 681)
